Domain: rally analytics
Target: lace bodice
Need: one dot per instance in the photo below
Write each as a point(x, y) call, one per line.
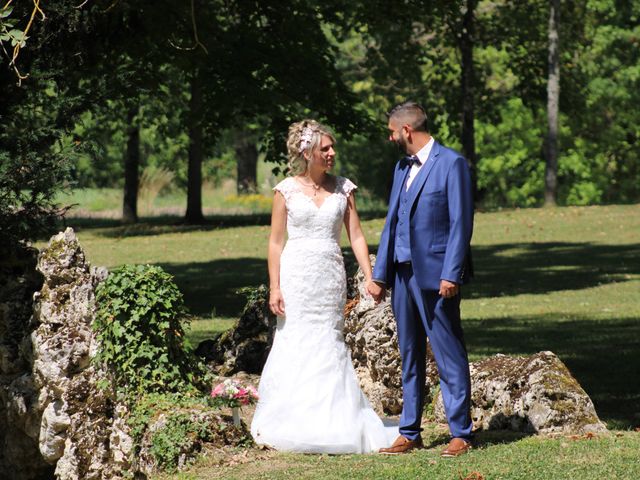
point(305, 220)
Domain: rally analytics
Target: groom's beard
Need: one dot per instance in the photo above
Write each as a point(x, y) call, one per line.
point(401, 143)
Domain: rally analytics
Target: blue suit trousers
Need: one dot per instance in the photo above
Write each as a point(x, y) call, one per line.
point(421, 313)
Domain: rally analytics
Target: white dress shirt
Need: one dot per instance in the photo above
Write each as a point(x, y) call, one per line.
point(423, 156)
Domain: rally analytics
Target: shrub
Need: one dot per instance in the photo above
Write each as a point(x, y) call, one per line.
point(171, 428)
point(139, 323)
point(176, 439)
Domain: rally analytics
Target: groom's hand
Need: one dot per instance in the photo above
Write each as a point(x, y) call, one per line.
point(448, 289)
point(376, 290)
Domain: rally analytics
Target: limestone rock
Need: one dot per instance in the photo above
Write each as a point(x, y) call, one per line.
point(245, 347)
point(19, 414)
point(79, 418)
point(55, 419)
point(535, 394)
point(63, 312)
point(371, 334)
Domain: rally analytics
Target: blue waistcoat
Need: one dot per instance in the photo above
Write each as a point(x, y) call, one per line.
point(402, 251)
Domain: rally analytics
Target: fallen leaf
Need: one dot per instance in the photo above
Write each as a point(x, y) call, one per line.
point(473, 476)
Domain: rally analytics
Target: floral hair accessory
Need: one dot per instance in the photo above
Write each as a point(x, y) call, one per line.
point(305, 139)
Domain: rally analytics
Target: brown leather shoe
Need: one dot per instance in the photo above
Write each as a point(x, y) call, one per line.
point(456, 447)
point(402, 445)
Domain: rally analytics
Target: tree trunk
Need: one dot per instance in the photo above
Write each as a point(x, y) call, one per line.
point(131, 166)
point(194, 170)
point(553, 97)
point(468, 94)
point(247, 163)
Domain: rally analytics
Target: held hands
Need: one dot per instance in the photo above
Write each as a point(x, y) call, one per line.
point(448, 289)
point(276, 302)
point(376, 290)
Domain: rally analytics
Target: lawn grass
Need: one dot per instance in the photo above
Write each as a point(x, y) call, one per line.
point(565, 280)
point(495, 457)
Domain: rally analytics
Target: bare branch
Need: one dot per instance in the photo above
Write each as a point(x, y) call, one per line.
point(197, 43)
point(111, 7)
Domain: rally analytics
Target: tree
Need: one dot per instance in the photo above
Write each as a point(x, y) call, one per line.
point(246, 152)
point(131, 168)
point(553, 97)
point(195, 127)
point(467, 84)
point(35, 115)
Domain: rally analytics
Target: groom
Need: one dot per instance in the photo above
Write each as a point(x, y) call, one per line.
point(424, 255)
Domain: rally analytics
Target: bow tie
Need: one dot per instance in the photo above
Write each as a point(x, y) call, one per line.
point(413, 160)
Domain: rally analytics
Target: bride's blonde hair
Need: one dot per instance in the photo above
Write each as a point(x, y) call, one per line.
point(304, 136)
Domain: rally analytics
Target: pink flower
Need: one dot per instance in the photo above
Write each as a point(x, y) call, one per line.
point(218, 390)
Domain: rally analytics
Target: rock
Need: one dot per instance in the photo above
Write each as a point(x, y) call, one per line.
point(63, 311)
point(79, 417)
point(55, 418)
point(55, 423)
point(19, 414)
point(245, 347)
point(371, 334)
point(59, 421)
point(535, 394)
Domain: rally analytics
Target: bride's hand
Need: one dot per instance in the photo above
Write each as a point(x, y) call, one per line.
point(276, 302)
point(376, 291)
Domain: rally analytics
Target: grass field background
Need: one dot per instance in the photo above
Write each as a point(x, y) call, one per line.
point(564, 279)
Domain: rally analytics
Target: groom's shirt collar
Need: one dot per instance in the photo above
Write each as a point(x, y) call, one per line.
point(423, 155)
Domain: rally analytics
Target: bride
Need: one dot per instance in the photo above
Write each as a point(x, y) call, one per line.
point(310, 399)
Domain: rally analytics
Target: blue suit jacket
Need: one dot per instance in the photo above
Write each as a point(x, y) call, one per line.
point(441, 225)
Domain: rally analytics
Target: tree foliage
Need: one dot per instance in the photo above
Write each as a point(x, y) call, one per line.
point(265, 64)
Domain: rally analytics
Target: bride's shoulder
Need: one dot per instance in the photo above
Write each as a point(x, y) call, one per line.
point(344, 185)
point(286, 187)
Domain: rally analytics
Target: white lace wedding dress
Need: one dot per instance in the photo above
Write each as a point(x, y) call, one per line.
point(310, 399)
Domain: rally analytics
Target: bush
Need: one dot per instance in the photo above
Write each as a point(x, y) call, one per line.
point(139, 322)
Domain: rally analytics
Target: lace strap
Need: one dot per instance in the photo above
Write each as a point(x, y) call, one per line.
point(346, 185)
point(286, 187)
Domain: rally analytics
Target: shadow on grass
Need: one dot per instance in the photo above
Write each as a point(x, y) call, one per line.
point(482, 438)
point(160, 225)
point(603, 355)
point(535, 268)
point(210, 287)
point(485, 438)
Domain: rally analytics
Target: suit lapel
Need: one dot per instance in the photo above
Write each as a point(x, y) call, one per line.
point(418, 182)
